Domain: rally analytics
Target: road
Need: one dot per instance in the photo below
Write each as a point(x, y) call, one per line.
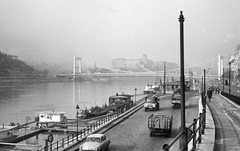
point(133, 133)
point(226, 119)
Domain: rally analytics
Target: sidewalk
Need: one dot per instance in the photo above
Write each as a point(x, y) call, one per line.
point(208, 138)
point(222, 125)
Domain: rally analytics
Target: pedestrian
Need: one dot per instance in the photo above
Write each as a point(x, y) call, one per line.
point(209, 94)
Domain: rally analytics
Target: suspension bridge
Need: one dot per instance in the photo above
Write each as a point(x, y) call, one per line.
point(81, 68)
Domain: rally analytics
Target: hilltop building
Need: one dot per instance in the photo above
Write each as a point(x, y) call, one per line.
point(141, 65)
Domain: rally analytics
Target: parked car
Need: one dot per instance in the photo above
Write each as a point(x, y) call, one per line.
point(96, 142)
point(151, 104)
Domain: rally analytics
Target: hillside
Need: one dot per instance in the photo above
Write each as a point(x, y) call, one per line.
point(11, 66)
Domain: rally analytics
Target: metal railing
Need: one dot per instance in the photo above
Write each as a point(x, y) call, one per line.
point(194, 132)
point(64, 142)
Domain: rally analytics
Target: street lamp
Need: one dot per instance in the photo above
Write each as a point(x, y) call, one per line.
point(164, 82)
point(229, 77)
point(77, 107)
point(183, 139)
point(223, 80)
point(135, 96)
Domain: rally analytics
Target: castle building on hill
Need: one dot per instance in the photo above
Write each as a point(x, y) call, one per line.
point(140, 65)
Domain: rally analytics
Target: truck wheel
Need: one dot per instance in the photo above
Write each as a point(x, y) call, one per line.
point(169, 133)
point(145, 110)
point(151, 134)
point(106, 148)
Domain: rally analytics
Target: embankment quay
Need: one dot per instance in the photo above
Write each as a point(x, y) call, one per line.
point(132, 133)
point(221, 129)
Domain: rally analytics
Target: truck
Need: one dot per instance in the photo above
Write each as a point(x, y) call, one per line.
point(176, 99)
point(160, 124)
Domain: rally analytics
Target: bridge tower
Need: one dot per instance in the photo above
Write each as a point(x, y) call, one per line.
point(220, 66)
point(77, 66)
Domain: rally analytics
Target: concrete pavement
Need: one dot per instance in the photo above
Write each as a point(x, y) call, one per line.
point(208, 139)
point(222, 131)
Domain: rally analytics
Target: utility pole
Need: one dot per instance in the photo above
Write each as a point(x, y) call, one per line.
point(164, 82)
point(223, 80)
point(183, 140)
point(204, 72)
point(229, 78)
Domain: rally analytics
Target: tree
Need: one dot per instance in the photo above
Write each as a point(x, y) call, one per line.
point(45, 72)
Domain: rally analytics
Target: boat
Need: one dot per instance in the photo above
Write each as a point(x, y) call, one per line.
point(51, 118)
point(93, 112)
point(151, 89)
point(7, 133)
point(116, 102)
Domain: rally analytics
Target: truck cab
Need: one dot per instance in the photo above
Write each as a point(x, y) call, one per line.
point(152, 103)
point(176, 99)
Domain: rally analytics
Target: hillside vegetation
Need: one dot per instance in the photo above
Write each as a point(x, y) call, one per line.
point(12, 63)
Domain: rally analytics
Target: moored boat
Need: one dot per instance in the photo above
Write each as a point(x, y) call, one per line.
point(51, 118)
point(116, 102)
point(151, 89)
point(7, 133)
point(93, 112)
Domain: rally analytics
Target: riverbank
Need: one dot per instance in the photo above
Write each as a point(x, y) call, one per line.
point(32, 79)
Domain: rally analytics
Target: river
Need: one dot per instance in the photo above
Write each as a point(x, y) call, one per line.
point(19, 101)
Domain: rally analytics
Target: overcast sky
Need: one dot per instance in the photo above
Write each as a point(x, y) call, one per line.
point(55, 31)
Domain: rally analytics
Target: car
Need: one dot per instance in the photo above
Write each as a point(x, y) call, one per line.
point(95, 142)
point(151, 104)
point(176, 100)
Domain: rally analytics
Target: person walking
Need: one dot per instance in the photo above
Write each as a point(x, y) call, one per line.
point(209, 94)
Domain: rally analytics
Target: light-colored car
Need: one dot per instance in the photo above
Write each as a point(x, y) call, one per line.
point(151, 104)
point(95, 142)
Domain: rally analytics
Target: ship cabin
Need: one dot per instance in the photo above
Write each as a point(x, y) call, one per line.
point(122, 101)
point(46, 117)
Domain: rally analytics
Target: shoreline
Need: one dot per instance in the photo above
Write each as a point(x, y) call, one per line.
point(31, 79)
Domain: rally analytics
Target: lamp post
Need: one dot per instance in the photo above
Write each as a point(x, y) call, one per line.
point(77, 107)
point(135, 96)
point(204, 81)
point(164, 79)
point(223, 80)
point(183, 139)
point(229, 77)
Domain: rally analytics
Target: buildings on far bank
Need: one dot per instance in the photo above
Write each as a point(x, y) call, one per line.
point(141, 65)
point(234, 65)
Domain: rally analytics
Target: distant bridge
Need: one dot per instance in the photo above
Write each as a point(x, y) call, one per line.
point(209, 65)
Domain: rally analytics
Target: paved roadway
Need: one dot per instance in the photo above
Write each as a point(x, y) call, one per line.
point(133, 133)
point(226, 115)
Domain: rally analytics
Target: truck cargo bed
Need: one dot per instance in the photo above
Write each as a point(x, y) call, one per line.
point(160, 124)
